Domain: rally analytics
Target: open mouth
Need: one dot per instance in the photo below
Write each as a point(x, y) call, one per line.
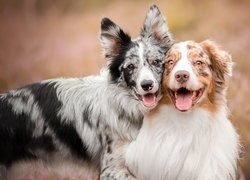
point(184, 99)
point(149, 100)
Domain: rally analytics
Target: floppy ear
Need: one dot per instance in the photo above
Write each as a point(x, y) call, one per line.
point(113, 39)
point(155, 29)
point(221, 62)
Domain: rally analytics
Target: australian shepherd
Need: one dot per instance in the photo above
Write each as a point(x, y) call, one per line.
point(188, 135)
point(83, 119)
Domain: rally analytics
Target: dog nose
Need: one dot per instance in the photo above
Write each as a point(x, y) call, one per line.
point(147, 85)
point(182, 76)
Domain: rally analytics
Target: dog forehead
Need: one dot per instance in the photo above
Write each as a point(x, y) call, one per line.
point(152, 49)
point(196, 52)
point(143, 51)
point(133, 50)
point(180, 50)
point(179, 53)
point(187, 50)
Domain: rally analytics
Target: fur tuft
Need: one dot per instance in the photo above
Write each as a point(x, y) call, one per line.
point(115, 43)
point(221, 61)
point(155, 28)
point(113, 39)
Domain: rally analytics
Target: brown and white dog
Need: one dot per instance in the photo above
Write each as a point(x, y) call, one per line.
point(188, 135)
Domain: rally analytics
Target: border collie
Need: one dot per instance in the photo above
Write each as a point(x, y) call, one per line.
point(188, 135)
point(83, 119)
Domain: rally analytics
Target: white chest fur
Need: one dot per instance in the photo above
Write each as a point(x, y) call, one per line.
point(197, 145)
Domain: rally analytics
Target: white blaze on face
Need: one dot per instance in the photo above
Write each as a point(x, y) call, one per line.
point(184, 64)
point(145, 73)
point(184, 94)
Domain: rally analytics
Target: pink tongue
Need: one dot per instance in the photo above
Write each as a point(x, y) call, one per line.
point(184, 102)
point(149, 100)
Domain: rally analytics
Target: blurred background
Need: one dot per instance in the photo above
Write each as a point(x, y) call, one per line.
point(41, 39)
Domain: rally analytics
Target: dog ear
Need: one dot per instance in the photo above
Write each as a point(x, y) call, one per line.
point(221, 62)
point(113, 39)
point(155, 29)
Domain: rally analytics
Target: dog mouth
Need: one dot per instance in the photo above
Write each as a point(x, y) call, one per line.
point(184, 99)
point(148, 100)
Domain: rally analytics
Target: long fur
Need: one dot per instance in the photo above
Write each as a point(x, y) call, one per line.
point(83, 119)
point(199, 144)
point(65, 117)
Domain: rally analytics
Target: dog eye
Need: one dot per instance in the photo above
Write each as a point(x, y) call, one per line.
point(130, 67)
point(198, 63)
point(170, 62)
point(156, 62)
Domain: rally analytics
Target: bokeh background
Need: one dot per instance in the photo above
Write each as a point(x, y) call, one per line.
point(41, 39)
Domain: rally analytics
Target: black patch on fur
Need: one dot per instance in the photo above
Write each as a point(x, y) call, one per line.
point(45, 95)
point(127, 77)
point(106, 23)
point(86, 113)
point(43, 142)
point(109, 144)
point(16, 141)
point(122, 44)
point(114, 66)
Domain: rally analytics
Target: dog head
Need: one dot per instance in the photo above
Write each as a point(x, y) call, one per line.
point(137, 65)
point(196, 74)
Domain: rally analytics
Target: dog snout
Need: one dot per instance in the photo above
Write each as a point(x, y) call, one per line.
point(182, 76)
point(147, 85)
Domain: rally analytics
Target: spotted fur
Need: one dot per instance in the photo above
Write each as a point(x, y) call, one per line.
point(86, 120)
point(130, 62)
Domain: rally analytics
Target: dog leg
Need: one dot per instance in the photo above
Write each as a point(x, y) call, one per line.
point(113, 164)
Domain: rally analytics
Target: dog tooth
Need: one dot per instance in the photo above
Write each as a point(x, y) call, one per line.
point(194, 93)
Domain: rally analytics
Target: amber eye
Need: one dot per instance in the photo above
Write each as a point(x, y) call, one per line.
point(170, 62)
point(156, 62)
point(131, 67)
point(198, 63)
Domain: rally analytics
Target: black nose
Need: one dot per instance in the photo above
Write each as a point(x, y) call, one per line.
point(182, 76)
point(147, 85)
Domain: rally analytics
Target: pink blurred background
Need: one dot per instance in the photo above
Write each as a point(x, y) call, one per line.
point(41, 39)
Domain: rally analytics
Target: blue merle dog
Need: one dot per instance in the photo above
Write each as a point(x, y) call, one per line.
point(88, 119)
